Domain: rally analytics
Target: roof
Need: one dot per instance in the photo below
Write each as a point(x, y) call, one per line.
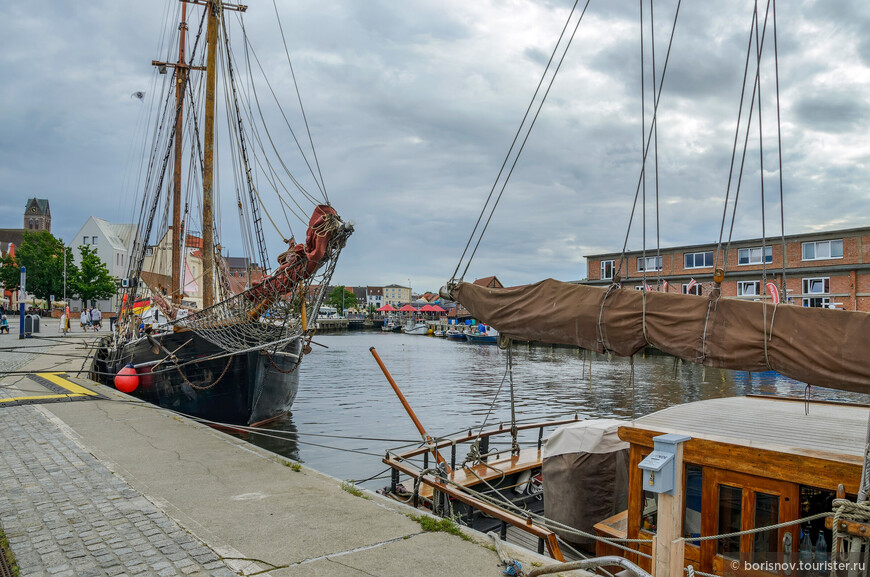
point(489, 281)
point(41, 203)
point(773, 423)
point(235, 261)
point(13, 235)
point(120, 236)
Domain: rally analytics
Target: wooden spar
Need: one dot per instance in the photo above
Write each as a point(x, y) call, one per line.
point(214, 13)
point(176, 288)
point(410, 411)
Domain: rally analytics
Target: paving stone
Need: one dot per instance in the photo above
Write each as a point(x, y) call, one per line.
point(66, 515)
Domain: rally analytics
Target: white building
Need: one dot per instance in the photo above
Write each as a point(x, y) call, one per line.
point(113, 243)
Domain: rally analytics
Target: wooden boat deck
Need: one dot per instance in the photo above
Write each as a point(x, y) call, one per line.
point(833, 430)
point(492, 471)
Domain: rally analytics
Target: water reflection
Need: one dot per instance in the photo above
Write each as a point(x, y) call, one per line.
point(452, 386)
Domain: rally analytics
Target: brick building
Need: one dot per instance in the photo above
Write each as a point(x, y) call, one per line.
point(824, 269)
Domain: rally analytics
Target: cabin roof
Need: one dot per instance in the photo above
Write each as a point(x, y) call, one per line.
point(777, 424)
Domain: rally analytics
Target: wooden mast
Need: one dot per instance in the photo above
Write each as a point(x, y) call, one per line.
point(214, 14)
point(180, 84)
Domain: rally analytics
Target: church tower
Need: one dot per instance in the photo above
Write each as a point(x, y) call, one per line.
point(37, 215)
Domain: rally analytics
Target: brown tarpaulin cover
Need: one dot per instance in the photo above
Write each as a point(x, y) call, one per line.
point(822, 347)
point(581, 489)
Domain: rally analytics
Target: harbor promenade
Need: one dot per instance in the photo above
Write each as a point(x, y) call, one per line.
point(100, 483)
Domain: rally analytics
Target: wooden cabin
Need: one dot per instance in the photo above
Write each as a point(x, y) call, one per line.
point(751, 461)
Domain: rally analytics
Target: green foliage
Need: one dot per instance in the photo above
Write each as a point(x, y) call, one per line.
point(443, 524)
point(42, 255)
point(349, 487)
point(341, 299)
point(94, 281)
point(10, 273)
point(7, 551)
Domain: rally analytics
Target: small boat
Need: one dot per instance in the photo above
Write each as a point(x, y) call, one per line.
point(484, 336)
point(455, 335)
point(416, 328)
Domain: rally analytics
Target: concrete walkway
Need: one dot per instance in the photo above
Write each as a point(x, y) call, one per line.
point(115, 486)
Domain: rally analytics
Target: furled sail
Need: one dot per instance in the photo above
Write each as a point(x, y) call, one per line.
point(821, 347)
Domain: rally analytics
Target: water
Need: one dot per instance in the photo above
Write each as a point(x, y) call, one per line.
point(453, 386)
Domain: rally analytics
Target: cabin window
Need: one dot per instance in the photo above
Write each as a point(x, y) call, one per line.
point(766, 513)
point(692, 515)
point(649, 512)
point(85, 240)
point(730, 517)
point(698, 259)
point(822, 250)
point(748, 288)
point(753, 255)
point(93, 240)
point(652, 263)
point(606, 269)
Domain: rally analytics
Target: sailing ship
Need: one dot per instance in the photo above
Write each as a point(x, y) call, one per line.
point(710, 485)
point(229, 355)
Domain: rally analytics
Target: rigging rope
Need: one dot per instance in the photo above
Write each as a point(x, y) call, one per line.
point(654, 123)
point(516, 136)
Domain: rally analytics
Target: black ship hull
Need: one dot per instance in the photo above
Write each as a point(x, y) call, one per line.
point(243, 389)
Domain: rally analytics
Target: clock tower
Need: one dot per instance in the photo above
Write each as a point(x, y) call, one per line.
point(37, 215)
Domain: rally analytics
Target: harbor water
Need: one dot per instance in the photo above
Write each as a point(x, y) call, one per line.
point(346, 415)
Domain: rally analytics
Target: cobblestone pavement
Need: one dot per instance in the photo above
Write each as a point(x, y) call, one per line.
point(65, 514)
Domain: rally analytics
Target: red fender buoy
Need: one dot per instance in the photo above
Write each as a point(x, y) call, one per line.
point(127, 380)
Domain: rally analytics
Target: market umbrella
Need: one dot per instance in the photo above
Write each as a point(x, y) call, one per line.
point(437, 309)
point(427, 309)
point(407, 309)
point(387, 309)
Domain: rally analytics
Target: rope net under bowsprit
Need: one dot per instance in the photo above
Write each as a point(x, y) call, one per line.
point(271, 312)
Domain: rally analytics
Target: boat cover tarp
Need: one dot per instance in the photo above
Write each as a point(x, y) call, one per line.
point(822, 347)
point(585, 473)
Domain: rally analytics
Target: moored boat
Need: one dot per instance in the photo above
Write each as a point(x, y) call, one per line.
point(214, 347)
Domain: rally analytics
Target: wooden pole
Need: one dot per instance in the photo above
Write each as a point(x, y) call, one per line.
point(410, 411)
point(180, 83)
point(669, 545)
point(214, 13)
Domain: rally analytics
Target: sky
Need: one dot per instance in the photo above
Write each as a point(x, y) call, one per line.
point(413, 106)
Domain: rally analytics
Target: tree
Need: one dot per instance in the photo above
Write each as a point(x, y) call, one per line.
point(10, 273)
point(341, 299)
point(94, 281)
point(43, 256)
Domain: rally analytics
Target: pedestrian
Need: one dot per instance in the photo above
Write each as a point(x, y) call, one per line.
point(96, 319)
point(4, 325)
point(85, 319)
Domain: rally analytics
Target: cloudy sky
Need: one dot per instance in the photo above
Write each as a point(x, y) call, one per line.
point(413, 105)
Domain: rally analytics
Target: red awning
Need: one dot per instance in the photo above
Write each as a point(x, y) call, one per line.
point(407, 309)
point(427, 309)
point(386, 309)
point(437, 309)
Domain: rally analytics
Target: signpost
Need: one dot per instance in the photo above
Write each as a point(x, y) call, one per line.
point(21, 297)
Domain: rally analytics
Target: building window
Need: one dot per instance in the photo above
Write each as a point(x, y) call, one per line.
point(652, 263)
point(747, 288)
point(694, 290)
point(30, 224)
point(819, 285)
point(606, 269)
point(94, 240)
point(85, 240)
point(753, 255)
point(816, 286)
point(825, 249)
point(698, 259)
